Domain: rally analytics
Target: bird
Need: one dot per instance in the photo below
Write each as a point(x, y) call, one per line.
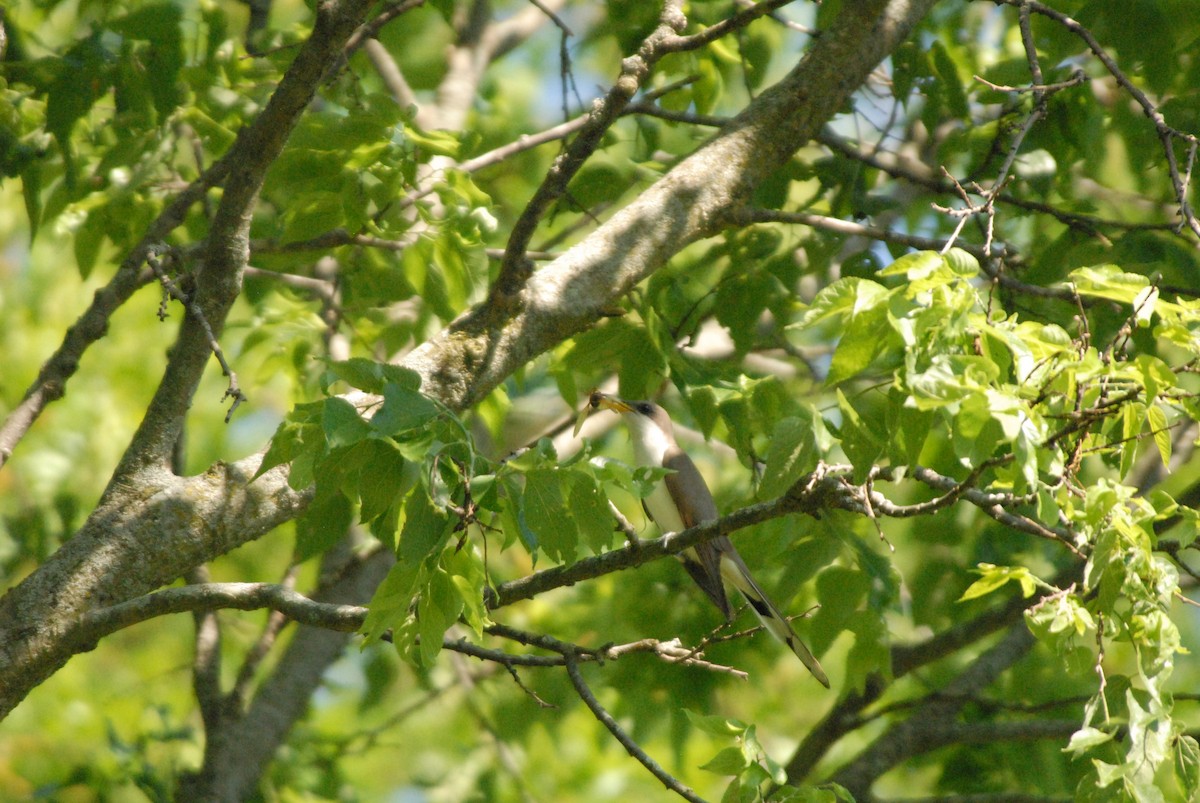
point(683, 500)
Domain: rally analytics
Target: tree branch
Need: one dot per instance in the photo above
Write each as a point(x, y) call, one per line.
point(153, 527)
point(514, 269)
point(92, 325)
point(921, 175)
point(237, 753)
point(925, 730)
point(625, 740)
point(748, 216)
point(691, 201)
point(219, 279)
point(1166, 134)
point(827, 492)
point(140, 537)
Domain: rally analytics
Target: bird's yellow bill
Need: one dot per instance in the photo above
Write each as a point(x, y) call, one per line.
point(598, 399)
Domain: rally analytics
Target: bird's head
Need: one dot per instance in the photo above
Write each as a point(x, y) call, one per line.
point(648, 423)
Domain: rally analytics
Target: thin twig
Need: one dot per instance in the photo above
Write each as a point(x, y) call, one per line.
point(1167, 134)
point(232, 391)
point(664, 39)
point(626, 741)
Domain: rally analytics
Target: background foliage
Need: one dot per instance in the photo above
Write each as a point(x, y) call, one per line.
point(946, 355)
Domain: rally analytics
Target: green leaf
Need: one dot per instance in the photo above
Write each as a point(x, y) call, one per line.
point(404, 409)
point(31, 190)
point(324, 524)
point(949, 378)
point(158, 24)
point(842, 590)
point(1131, 427)
point(467, 571)
point(867, 334)
point(791, 455)
point(342, 424)
point(729, 761)
point(702, 402)
point(299, 439)
point(1156, 375)
point(871, 652)
point(426, 530)
point(914, 266)
point(1187, 763)
point(441, 143)
point(715, 725)
point(1062, 622)
point(311, 213)
point(284, 444)
point(437, 609)
point(1109, 281)
point(70, 98)
point(589, 511)
point(89, 238)
point(1157, 420)
point(962, 263)
point(383, 478)
point(995, 577)
point(1085, 739)
point(369, 375)
point(841, 299)
point(513, 515)
point(862, 437)
point(545, 511)
point(707, 90)
point(949, 81)
point(910, 428)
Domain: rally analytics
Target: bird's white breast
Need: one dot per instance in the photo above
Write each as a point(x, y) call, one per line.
point(650, 445)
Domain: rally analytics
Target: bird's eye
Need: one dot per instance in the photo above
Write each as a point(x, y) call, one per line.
point(645, 408)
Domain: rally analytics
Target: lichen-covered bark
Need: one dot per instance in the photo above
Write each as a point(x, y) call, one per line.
point(152, 526)
point(693, 201)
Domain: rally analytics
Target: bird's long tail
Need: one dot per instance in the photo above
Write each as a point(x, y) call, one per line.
point(736, 573)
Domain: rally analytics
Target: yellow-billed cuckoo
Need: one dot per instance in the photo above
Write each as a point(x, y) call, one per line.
point(682, 500)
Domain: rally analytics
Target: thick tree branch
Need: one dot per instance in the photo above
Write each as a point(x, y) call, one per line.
point(692, 201)
point(666, 38)
point(125, 549)
point(246, 743)
point(151, 526)
point(219, 278)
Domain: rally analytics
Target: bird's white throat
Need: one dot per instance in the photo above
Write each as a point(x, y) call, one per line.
point(650, 443)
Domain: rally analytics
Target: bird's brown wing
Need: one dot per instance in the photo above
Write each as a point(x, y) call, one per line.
point(704, 563)
point(695, 503)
